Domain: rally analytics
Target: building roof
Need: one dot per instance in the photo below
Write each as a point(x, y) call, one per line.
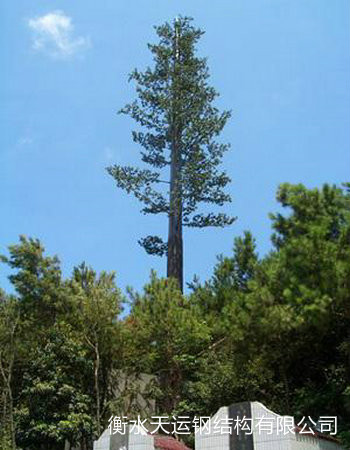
point(168, 443)
point(316, 434)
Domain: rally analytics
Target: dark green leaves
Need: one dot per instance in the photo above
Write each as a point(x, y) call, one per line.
point(175, 101)
point(154, 245)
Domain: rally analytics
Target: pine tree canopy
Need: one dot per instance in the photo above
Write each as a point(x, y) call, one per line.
point(179, 126)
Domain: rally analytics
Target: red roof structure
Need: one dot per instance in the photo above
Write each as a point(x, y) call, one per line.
point(168, 443)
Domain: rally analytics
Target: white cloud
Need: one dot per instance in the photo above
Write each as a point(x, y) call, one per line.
point(53, 33)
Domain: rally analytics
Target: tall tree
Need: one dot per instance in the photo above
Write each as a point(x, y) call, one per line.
point(38, 284)
point(53, 405)
point(168, 335)
point(283, 320)
point(181, 124)
point(9, 322)
point(99, 307)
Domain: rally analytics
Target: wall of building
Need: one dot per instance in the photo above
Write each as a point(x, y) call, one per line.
point(307, 442)
point(213, 441)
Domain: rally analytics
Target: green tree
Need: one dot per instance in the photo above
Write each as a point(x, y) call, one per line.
point(54, 405)
point(98, 302)
point(168, 335)
point(230, 278)
point(70, 345)
point(284, 331)
point(37, 280)
point(310, 273)
point(9, 346)
point(51, 366)
point(175, 107)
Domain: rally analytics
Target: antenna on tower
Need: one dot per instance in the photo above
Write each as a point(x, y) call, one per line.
point(176, 21)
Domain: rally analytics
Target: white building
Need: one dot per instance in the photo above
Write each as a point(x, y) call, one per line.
point(241, 426)
point(136, 438)
point(263, 430)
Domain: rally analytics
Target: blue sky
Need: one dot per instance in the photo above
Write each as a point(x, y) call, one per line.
point(282, 66)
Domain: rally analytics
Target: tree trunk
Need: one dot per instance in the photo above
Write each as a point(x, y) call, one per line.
point(12, 423)
point(97, 389)
point(4, 405)
point(175, 245)
point(7, 385)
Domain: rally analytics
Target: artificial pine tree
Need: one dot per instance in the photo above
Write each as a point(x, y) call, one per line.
point(175, 109)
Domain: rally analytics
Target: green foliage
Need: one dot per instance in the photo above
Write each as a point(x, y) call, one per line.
point(273, 329)
point(9, 349)
point(285, 330)
point(98, 305)
point(53, 406)
point(231, 277)
point(175, 109)
point(61, 356)
point(37, 281)
point(167, 334)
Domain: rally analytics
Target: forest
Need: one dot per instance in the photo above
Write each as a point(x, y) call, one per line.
point(273, 328)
